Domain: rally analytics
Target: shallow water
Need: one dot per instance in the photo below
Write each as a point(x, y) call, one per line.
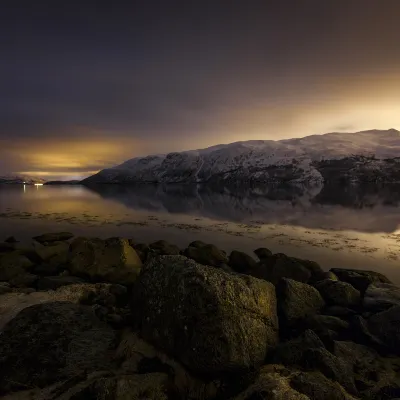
point(356, 227)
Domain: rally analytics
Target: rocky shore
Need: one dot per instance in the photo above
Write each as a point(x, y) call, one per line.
point(85, 318)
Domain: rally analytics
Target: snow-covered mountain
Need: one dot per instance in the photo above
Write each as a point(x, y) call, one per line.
point(369, 155)
point(20, 179)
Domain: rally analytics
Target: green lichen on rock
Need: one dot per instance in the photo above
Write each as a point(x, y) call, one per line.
point(211, 321)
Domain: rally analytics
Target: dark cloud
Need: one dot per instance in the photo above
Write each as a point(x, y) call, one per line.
point(206, 71)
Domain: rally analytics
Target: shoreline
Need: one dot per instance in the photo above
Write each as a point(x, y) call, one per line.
point(234, 325)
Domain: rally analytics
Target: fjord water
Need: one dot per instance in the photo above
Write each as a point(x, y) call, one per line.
point(338, 226)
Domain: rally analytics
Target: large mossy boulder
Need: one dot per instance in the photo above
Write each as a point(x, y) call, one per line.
point(297, 301)
point(207, 255)
point(241, 262)
point(339, 293)
point(279, 266)
point(211, 321)
point(49, 342)
point(111, 260)
point(360, 279)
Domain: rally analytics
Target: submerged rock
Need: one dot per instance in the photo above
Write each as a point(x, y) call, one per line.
point(49, 342)
point(53, 237)
point(280, 266)
point(211, 321)
point(111, 260)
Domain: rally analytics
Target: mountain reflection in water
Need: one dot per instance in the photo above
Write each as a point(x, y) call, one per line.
point(363, 208)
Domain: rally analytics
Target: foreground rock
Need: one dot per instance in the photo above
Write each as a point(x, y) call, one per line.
point(46, 343)
point(102, 294)
point(339, 293)
point(241, 262)
point(212, 321)
point(278, 383)
point(297, 301)
point(385, 326)
point(112, 260)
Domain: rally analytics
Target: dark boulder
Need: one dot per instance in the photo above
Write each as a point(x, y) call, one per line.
point(339, 293)
point(297, 301)
point(385, 326)
point(112, 260)
point(13, 265)
point(24, 280)
point(317, 273)
point(211, 321)
point(241, 262)
point(262, 253)
point(207, 255)
point(6, 247)
point(317, 387)
point(381, 296)
point(292, 352)
point(272, 382)
point(142, 251)
point(339, 311)
point(163, 248)
point(360, 279)
point(49, 342)
point(11, 239)
point(332, 367)
point(197, 244)
point(280, 266)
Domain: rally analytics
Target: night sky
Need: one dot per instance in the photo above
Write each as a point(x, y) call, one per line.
point(90, 85)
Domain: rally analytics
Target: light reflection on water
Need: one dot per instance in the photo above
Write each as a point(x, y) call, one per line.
point(349, 227)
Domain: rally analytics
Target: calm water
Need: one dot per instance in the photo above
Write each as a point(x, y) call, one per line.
point(355, 227)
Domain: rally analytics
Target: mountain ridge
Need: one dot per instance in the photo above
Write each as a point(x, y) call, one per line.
point(294, 160)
